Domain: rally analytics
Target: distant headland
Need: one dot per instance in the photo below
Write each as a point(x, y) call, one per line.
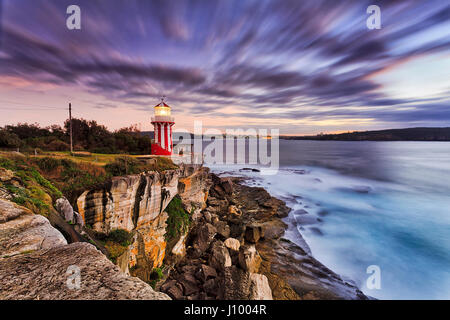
point(408, 134)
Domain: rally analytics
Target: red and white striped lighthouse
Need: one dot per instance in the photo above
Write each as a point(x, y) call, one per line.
point(162, 122)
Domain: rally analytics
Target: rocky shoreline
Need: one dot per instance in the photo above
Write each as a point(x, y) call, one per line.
point(187, 233)
point(236, 250)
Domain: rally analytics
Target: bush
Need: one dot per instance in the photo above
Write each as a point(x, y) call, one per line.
point(178, 221)
point(123, 166)
point(48, 163)
point(9, 140)
point(57, 145)
point(120, 236)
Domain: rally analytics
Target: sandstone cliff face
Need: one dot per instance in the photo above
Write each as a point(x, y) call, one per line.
point(193, 189)
point(128, 202)
point(136, 203)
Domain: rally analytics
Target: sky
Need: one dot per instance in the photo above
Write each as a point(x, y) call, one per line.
point(303, 67)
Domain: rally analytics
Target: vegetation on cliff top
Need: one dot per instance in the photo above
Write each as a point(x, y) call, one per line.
point(61, 176)
point(87, 136)
point(28, 187)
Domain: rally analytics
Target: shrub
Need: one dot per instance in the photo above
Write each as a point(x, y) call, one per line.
point(155, 276)
point(48, 163)
point(122, 166)
point(9, 140)
point(178, 221)
point(57, 145)
point(120, 236)
point(164, 163)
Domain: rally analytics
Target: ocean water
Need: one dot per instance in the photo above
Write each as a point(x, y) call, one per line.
point(359, 204)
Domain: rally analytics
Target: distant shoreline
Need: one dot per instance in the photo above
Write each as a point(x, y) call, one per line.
point(408, 134)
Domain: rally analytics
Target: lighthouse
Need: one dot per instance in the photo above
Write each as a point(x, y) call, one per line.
point(162, 122)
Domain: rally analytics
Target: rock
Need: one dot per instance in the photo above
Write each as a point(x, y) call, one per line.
point(205, 235)
point(222, 228)
point(21, 231)
point(173, 289)
point(193, 187)
point(236, 284)
point(206, 272)
point(234, 211)
point(274, 229)
point(78, 219)
point(316, 231)
point(211, 287)
point(65, 209)
point(232, 244)
point(259, 287)
point(45, 275)
point(249, 259)
point(227, 185)
point(216, 202)
point(220, 257)
point(6, 174)
point(189, 284)
point(300, 211)
point(306, 219)
point(179, 249)
point(128, 202)
point(208, 217)
point(253, 233)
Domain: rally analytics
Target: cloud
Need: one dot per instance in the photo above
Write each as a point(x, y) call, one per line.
point(248, 55)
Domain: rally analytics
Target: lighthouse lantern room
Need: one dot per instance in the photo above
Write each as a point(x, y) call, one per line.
point(162, 122)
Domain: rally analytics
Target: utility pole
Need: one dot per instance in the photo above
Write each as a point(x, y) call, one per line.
point(70, 124)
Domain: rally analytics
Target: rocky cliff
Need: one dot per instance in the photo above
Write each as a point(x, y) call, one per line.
point(36, 263)
point(136, 203)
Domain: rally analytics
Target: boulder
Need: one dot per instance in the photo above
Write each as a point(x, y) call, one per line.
point(205, 235)
point(222, 228)
point(227, 185)
point(78, 219)
point(220, 257)
point(211, 287)
point(232, 244)
point(65, 209)
point(249, 259)
point(236, 284)
point(259, 287)
point(173, 289)
point(189, 284)
point(6, 174)
point(234, 211)
point(51, 275)
point(253, 233)
point(205, 273)
point(21, 231)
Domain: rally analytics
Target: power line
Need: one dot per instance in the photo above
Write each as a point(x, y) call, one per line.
point(32, 106)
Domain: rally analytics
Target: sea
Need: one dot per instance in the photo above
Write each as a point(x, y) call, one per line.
point(367, 209)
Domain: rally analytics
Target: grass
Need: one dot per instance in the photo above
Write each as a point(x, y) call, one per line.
point(29, 188)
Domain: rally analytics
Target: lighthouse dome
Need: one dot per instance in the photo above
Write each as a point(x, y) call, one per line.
point(162, 109)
